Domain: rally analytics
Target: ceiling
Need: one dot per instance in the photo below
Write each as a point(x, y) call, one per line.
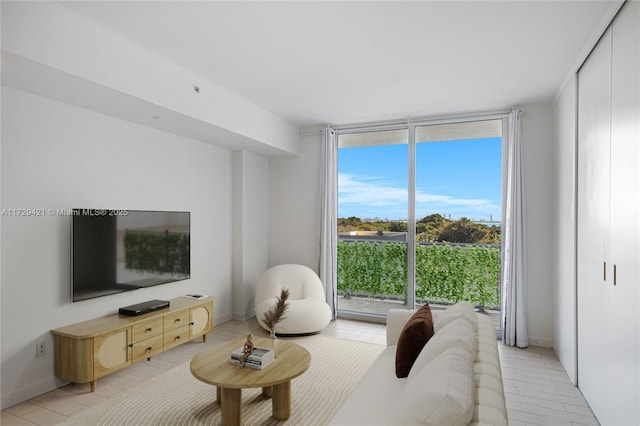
point(315, 63)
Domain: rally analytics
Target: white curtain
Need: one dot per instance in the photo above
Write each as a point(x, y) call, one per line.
point(329, 217)
point(514, 266)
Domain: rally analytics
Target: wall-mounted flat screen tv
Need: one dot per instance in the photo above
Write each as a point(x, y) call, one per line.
point(120, 250)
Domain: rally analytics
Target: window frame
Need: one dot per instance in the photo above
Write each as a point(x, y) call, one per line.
point(410, 125)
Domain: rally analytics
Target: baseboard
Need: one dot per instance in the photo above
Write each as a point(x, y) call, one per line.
point(221, 319)
point(243, 316)
point(544, 342)
point(31, 391)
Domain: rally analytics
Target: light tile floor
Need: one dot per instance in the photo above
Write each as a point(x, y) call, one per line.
point(537, 389)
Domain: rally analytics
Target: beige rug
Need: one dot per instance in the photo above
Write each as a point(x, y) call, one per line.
point(177, 398)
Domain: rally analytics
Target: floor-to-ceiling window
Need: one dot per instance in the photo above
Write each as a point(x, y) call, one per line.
point(372, 220)
point(419, 215)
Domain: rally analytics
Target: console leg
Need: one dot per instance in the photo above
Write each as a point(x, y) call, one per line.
point(94, 383)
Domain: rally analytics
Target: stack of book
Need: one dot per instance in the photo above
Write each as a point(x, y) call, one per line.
point(259, 358)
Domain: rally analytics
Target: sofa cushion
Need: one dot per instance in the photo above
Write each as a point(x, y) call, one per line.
point(458, 333)
point(415, 334)
point(459, 310)
point(442, 393)
point(369, 402)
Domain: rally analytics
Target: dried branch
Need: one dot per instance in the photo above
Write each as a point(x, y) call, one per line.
point(276, 314)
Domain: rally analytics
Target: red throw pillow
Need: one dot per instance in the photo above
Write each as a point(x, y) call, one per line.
point(415, 334)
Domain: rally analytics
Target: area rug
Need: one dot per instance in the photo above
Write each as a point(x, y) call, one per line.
point(177, 398)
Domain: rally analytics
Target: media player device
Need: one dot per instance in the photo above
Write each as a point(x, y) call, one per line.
point(144, 307)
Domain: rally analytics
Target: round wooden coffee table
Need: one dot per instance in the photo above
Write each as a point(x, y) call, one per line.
point(213, 366)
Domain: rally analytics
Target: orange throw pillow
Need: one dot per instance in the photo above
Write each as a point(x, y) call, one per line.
point(415, 334)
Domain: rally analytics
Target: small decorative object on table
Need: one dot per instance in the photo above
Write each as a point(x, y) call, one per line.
point(251, 356)
point(274, 315)
point(247, 350)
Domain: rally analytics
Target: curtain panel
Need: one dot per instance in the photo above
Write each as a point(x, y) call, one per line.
point(328, 268)
point(514, 264)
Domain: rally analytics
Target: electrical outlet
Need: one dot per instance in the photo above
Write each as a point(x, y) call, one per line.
point(41, 349)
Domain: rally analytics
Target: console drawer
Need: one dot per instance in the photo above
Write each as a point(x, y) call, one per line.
point(147, 348)
point(176, 336)
point(146, 329)
point(176, 320)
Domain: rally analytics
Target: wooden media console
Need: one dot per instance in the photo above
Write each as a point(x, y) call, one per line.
point(88, 350)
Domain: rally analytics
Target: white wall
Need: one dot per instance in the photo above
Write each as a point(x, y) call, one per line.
point(250, 229)
point(564, 212)
point(55, 155)
point(295, 206)
point(537, 136)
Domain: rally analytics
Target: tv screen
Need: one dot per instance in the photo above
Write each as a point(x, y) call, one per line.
point(120, 250)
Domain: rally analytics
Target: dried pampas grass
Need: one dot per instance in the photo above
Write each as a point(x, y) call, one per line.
point(276, 314)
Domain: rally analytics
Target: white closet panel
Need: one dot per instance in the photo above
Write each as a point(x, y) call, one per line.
point(608, 223)
point(624, 367)
point(594, 113)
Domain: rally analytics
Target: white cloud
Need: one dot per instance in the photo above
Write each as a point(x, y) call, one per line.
point(369, 191)
point(377, 197)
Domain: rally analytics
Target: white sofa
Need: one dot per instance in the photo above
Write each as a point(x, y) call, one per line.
point(456, 379)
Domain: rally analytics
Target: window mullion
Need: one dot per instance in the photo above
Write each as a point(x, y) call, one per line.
point(411, 220)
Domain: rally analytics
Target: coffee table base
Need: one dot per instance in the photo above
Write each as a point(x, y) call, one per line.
point(230, 404)
point(212, 366)
point(281, 401)
point(230, 401)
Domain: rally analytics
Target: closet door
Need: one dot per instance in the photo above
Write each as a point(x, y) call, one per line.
point(608, 223)
point(594, 108)
point(623, 401)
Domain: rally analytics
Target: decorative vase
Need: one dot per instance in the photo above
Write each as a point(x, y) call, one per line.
point(273, 343)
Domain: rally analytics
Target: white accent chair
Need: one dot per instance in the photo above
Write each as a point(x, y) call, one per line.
point(307, 310)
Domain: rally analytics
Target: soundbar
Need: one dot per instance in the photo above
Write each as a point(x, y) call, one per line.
point(143, 308)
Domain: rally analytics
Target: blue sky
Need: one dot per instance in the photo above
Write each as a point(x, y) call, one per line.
point(456, 178)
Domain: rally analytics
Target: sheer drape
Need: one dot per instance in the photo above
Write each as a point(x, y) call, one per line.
point(514, 266)
point(328, 269)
